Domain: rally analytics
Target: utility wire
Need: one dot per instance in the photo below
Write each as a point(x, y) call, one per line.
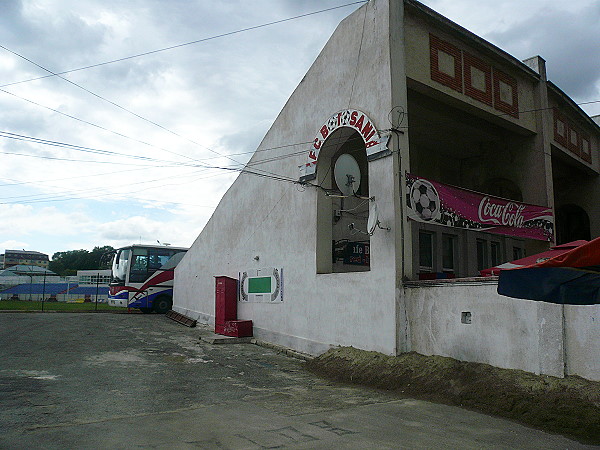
point(120, 107)
point(143, 142)
point(169, 48)
point(90, 150)
point(80, 148)
point(93, 124)
point(332, 139)
point(55, 158)
point(30, 139)
point(61, 195)
point(197, 41)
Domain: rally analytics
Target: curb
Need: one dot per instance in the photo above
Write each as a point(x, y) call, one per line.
point(285, 350)
point(217, 339)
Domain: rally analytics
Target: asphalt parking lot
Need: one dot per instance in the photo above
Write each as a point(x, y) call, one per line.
point(127, 381)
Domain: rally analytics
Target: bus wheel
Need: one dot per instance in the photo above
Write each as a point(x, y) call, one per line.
point(146, 310)
point(162, 304)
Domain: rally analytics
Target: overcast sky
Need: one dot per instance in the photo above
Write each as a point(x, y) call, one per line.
point(164, 114)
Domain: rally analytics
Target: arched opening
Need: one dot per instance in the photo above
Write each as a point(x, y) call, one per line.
point(343, 244)
point(572, 223)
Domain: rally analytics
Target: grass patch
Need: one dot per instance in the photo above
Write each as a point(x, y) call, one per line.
point(23, 305)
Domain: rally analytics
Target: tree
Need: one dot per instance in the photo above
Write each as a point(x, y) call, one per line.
point(69, 262)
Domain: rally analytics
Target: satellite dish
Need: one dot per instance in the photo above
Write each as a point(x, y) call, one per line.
point(347, 174)
point(373, 218)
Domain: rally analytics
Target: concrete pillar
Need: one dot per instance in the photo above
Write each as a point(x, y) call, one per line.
point(537, 186)
point(399, 144)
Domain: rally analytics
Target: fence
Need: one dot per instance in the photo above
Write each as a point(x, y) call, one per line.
point(56, 292)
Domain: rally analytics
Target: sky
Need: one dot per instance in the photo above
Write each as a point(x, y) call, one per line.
point(142, 149)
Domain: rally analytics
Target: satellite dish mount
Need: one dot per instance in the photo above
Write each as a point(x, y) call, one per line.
point(373, 223)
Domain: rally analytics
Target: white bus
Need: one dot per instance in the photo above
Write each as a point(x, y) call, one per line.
point(142, 277)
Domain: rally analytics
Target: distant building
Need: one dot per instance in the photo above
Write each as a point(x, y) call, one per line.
point(93, 277)
point(24, 257)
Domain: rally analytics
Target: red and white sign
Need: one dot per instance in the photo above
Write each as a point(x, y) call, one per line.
point(376, 145)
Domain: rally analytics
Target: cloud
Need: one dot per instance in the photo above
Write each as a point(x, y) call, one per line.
point(142, 229)
point(568, 40)
point(26, 220)
point(12, 244)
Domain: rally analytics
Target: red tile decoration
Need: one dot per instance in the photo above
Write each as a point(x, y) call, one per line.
point(586, 148)
point(488, 86)
point(561, 128)
point(506, 105)
point(436, 45)
point(571, 137)
point(472, 88)
point(574, 141)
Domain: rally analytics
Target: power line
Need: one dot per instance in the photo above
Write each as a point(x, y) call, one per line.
point(179, 45)
point(106, 152)
point(245, 170)
point(93, 124)
point(140, 141)
point(199, 163)
point(60, 196)
point(80, 148)
point(119, 106)
point(19, 182)
point(197, 41)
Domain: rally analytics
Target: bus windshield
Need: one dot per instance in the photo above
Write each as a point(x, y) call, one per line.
point(121, 264)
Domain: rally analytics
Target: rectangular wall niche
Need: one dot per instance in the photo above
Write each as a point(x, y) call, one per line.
point(470, 75)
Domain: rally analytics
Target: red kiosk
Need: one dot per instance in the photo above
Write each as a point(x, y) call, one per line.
point(226, 323)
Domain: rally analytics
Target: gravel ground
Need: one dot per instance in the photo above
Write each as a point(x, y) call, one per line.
point(569, 406)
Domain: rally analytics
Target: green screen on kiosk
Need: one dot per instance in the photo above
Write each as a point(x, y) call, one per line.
point(259, 285)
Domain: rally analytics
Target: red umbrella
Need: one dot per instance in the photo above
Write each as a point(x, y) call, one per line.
point(533, 259)
point(572, 278)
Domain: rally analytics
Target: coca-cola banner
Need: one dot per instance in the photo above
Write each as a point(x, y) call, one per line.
point(437, 203)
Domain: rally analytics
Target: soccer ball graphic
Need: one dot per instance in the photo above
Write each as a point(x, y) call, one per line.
point(425, 200)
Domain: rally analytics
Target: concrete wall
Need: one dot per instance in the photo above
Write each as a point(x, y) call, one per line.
point(276, 221)
point(582, 338)
point(504, 332)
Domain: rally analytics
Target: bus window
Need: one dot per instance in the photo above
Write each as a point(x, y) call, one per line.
point(139, 266)
point(157, 258)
